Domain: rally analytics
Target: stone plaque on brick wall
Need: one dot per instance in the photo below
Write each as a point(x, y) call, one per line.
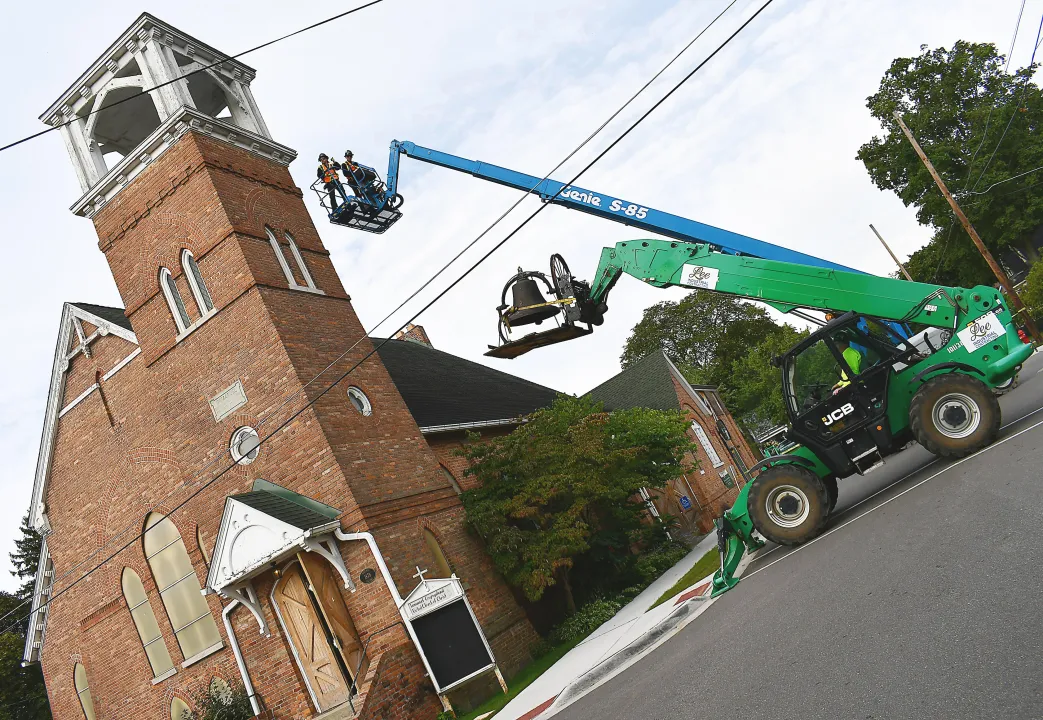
point(228, 401)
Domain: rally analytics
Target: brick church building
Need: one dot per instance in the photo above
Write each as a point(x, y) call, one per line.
point(288, 566)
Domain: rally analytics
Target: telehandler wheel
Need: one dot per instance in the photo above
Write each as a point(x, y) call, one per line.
point(788, 504)
point(832, 491)
point(954, 415)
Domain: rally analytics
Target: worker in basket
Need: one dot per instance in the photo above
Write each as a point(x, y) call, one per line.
point(357, 176)
point(327, 172)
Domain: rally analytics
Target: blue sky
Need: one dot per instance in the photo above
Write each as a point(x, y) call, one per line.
point(761, 142)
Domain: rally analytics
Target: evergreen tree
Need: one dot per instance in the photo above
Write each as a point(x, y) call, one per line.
point(22, 692)
point(26, 557)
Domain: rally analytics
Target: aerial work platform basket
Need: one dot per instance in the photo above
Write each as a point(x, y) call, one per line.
point(365, 206)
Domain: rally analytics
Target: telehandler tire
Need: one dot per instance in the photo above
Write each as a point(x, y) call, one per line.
point(954, 415)
point(832, 491)
point(788, 504)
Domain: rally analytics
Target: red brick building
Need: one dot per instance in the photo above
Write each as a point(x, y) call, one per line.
point(723, 456)
point(235, 325)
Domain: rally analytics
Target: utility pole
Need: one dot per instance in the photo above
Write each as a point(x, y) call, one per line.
point(1005, 283)
point(888, 249)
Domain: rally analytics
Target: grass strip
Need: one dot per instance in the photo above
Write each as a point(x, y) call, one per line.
point(521, 681)
point(703, 567)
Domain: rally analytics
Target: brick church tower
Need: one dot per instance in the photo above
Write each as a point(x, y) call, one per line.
point(232, 308)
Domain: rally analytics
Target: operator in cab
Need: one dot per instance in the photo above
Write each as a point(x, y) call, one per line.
point(327, 172)
point(852, 357)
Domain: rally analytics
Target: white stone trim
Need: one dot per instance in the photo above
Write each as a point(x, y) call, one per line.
point(164, 137)
point(219, 645)
point(38, 619)
point(79, 398)
point(55, 392)
point(168, 674)
point(194, 326)
point(121, 364)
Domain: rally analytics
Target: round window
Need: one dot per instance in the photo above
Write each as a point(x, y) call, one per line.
point(245, 445)
point(359, 400)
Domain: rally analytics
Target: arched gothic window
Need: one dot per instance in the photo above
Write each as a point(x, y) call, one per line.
point(179, 588)
point(195, 281)
point(145, 622)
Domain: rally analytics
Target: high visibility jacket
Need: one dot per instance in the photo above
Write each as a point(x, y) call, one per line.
point(328, 173)
point(854, 361)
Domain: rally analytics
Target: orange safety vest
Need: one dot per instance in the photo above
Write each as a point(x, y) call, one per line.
point(329, 173)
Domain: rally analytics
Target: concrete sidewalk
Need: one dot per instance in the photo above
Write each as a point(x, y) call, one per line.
point(632, 633)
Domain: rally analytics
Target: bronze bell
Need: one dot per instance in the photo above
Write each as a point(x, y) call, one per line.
point(526, 294)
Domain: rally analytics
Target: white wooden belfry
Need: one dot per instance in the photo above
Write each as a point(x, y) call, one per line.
point(141, 95)
point(251, 542)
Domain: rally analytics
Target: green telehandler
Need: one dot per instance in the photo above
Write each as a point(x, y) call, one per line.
point(856, 390)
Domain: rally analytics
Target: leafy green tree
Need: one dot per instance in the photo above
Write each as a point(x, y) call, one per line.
point(559, 495)
point(980, 127)
point(1032, 293)
point(754, 389)
point(703, 334)
point(720, 340)
point(22, 693)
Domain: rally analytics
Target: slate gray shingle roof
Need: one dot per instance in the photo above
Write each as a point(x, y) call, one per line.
point(112, 314)
point(283, 508)
point(648, 383)
point(443, 389)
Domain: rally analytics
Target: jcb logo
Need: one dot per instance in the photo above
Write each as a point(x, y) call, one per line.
point(845, 409)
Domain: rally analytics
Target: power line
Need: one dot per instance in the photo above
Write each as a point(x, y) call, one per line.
point(440, 295)
point(1017, 105)
point(1012, 177)
point(212, 65)
point(988, 118)
point(471, 244)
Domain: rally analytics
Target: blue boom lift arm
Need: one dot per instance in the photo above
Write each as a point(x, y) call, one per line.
point(603, 206)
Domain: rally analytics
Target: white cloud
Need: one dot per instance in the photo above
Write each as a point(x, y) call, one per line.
point(761, 142)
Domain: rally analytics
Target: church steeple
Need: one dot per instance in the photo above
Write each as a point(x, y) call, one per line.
point(114, 127)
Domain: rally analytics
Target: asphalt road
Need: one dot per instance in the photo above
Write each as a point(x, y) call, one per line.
point(923, 599)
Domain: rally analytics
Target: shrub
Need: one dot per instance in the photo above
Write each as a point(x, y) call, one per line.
point(1032, 291)
point(653, 564)
point(221, 701)
point(586, 620)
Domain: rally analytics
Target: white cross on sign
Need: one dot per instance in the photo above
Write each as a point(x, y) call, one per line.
point(420, 573)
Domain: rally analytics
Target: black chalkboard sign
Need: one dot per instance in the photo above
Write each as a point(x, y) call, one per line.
point(452, 643)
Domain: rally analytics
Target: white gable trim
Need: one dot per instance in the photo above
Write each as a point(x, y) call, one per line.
point(706, 409)
point(70, 326)
point(41, 596)
point(250, 540)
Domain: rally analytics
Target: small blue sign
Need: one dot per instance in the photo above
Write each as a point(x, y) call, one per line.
point(686, 504)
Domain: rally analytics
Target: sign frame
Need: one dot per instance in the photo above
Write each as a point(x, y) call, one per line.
point(450, 591)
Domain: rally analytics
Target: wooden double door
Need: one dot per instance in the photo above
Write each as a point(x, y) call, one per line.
point(321, 630)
